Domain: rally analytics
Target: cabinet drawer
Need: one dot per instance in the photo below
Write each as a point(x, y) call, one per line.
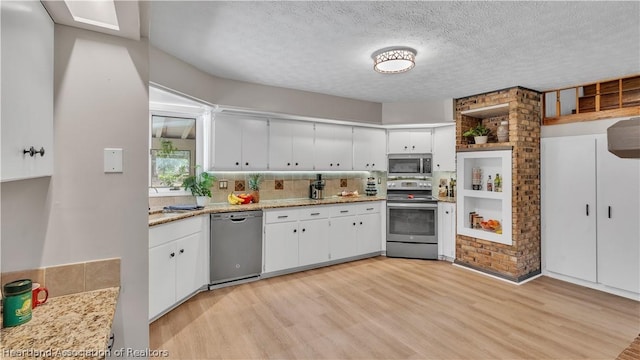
point(164, 233)
point(368, 208)
point(278, 216)
point(313, 212)
point(342, 210)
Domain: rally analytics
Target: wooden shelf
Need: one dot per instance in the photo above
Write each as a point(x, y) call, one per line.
point(599, 100)
point(488, 146)
point(488, 111)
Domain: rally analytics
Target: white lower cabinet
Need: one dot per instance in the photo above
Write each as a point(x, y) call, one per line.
point(342, 237)
point(447, 230)
point(178, 262)
point(313, 241)
point(281, 246)
point(312, 235)
point(590, 211)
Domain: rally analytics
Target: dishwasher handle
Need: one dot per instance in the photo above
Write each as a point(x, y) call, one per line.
point(238, 220)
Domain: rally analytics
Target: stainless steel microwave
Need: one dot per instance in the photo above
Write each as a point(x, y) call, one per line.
point(409, 165)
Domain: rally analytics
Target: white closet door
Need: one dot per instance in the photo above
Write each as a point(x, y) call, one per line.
point(618, 219)
point(568, 184)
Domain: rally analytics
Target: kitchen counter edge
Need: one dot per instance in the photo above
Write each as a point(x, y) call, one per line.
point(157, 217)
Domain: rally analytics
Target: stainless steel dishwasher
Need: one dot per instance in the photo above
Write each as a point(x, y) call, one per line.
point(236, 246)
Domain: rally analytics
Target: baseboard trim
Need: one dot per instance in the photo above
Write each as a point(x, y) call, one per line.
point(496, 275)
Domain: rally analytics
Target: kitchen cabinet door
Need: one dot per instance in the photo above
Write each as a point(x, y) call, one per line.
point(618, 215)
point(568, 184)
point(313, 241)
point(369, 149)
point(413, 141)
point(27, 90)
point(342, 237)
point(281, 246)
point(444, 148)
point(191, 270)
point(333, 147)
point(447, 230)
point(162, 278)
point(281, 145)
point(255, 139)
point(226, 150)
point(369, 233)
point(302, 144)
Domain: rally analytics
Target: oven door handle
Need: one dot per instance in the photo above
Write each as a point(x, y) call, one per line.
point(412, 205)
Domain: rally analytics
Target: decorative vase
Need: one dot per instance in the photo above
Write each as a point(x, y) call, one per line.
point(480, 139)
point(202, 200)
point(255, 196)
point(503, 131)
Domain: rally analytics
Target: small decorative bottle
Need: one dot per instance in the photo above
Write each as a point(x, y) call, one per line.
point(489, 184)
point(498, 183)
point(503, 131)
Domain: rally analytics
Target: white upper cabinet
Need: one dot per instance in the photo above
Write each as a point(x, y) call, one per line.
point(413, 141)
point(239, 143)
point(333, 147)
point(290, 145)
point(27, 91)
point(369, 149)
point(444, 148)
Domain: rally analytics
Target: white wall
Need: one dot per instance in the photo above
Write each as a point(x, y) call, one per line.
point(430, 111)
point(168, 71)
point(81, 214)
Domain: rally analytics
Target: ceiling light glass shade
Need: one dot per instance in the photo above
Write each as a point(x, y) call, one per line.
point(393, 61)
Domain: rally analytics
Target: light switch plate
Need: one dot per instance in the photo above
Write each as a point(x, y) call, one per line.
point(112, 160)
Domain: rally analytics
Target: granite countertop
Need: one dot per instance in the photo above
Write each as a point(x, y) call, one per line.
point(447, 199)
point(76, 326)
point(157, 216)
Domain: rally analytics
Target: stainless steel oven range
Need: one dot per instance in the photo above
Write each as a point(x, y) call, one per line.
point(412, 219)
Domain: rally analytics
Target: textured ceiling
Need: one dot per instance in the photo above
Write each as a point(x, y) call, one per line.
point(464, 48)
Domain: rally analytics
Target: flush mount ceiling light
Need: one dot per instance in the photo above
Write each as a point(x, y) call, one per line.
point(394, 60)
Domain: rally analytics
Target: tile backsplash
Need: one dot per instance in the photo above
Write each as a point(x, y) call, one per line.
point(71, 278)
point(283, 185)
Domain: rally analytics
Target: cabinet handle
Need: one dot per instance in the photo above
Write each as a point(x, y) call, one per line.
point(366, 165)
point(372, 165)
point(406, 147)
point(609, 212)
point(283, 216)
point(338, 164)
point(344, 211)
point(314, 214)
point(446, 212)
point(296, 164)
point(303, 230)
point(413, 147)
point(354, 224)
point(288, 164)
point(32, 151)
point(295, 230)
point(360, 222)
point(181, 251)
point(246, 164)
point(237, 163)
point(368, 209)
point(331, 164)
point(173, 254)
point(587, 209)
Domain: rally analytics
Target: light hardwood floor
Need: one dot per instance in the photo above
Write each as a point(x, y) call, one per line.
point(384, 308)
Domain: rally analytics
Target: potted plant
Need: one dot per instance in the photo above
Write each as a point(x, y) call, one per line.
point(200, 186)
point(480, 133)
point(254, 185)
